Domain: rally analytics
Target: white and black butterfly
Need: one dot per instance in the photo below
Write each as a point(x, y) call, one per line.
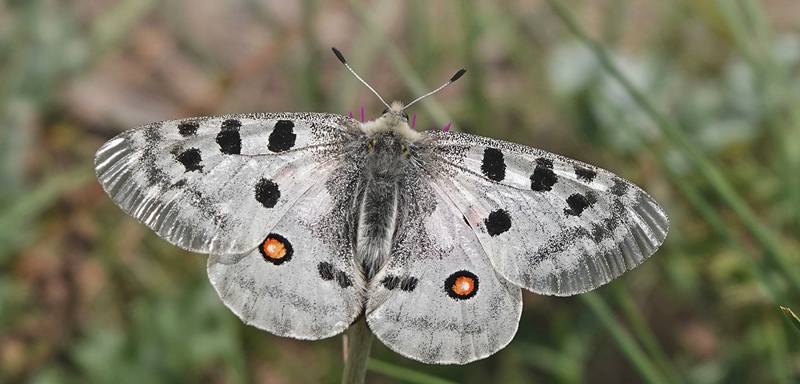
point(314, 219)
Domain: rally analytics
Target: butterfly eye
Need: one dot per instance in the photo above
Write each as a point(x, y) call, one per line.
point(385, 111)
point(371, 144)
point(405, 115)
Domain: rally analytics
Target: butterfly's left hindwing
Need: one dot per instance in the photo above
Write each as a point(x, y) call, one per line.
point(216, 184)
point(438, 300)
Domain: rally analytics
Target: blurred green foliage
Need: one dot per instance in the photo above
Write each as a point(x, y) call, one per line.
point(695, 100)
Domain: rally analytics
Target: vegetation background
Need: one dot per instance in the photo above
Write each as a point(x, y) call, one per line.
point(697, 101)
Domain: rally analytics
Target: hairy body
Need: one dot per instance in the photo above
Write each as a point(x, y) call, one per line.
point(385, 147)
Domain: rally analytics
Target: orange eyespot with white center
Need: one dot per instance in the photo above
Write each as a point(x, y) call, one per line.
point(461, 285)
point(276, 249)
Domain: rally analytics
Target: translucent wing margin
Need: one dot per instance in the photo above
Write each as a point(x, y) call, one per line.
point(213, 184)
point(549, 224)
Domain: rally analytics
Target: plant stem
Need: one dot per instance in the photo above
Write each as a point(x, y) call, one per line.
point(359, 340)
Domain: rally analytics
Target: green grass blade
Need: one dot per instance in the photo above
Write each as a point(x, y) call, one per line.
point(405, 374)
point(791, 316)
point(716, 179)
point(773, 82)
point(625, 342)
point(24, 209)
point(643, 332)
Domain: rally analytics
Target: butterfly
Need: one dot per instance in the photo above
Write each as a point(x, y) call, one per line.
point(313, 220)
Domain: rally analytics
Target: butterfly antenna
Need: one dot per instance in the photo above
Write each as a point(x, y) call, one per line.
point(452, 79)
point(341, 58)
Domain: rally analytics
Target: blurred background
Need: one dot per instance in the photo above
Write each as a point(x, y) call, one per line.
point(694, 100)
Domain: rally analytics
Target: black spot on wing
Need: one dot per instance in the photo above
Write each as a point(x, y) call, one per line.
point(599, 231)
point(188, 128)
point(558, 243)
point(579, 202)
point(493, 165)
point(154, 174)
point(282, 137)
point(190, 159)
point(619, 188)
point(604, 229)
point(498, 222)
point(584, 173)
point(180, 184)
point(326, 271)
point(390, 282)
point(566, 239)
point(409, 284)
point(267, 193)
point(343, 280)
point(543, 177)
point(329, 273)
point(229, 139)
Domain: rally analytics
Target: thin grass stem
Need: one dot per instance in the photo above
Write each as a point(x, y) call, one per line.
point(624, 341)
point(716, 179)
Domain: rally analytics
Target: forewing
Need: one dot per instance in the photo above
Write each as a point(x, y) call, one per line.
point(421, 304)
point(548, 223)
point(213, 184)
point(300, 281)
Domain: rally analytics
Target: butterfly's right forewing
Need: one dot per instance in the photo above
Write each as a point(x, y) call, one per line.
point(267, 195)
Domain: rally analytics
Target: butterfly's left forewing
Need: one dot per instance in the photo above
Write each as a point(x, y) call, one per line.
point(549, 224)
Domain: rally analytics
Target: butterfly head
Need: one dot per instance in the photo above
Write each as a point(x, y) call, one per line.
point(396, 107)
point(393, 120)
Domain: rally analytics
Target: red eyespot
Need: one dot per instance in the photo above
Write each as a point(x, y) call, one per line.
point(461, 285)
point(276, 249)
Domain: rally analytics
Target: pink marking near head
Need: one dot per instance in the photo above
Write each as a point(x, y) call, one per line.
point(362, 113)
point(351, 114)
point(447, 127)
point(413, 121)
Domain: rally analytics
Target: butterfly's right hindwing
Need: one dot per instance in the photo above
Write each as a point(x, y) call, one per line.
point(301, 281)
point(218, 184)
